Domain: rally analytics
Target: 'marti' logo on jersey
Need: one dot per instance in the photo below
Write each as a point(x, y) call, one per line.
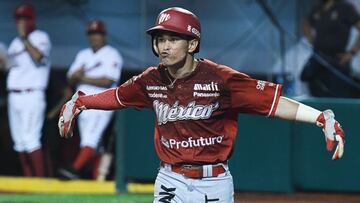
point(165, 112)
point(206, 90)
point(213, 86)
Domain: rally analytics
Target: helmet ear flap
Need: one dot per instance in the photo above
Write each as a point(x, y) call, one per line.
point(154, 47)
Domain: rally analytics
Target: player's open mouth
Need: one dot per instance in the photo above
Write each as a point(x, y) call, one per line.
point(165, 57)
point(164, 54)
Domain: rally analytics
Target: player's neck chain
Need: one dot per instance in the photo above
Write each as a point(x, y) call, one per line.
point(179, 75)
point(171, 79)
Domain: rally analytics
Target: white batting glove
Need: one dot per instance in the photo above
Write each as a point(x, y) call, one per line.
point(334, 134)
point(68, 113)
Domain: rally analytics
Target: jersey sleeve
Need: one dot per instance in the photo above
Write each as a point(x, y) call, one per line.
point(132, 93)
point(253, 96)
point(11, 48)
point(76, 65)
point(113, 66)
point(42, 43)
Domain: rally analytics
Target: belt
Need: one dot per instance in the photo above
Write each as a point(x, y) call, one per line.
point(21, 91)
point(196, 171)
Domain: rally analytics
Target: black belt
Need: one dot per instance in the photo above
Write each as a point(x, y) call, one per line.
point(22, 91)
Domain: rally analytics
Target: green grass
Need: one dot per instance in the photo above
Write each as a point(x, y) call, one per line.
point(75, 198)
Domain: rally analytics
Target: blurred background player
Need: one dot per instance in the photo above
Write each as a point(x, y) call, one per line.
point(27, 81)
point(3, 68)
point(196, 103)
point(3, 56)
point(94, 70)
point(328, 28)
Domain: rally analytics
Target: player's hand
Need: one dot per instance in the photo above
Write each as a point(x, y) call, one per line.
point(68, 113)
point(345, 58)
point(21, 27)
point(334, 134)
point(3, 65)
point(79, 74)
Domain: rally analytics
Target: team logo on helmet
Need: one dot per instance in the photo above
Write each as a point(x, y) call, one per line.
point(193, 30)
point(164, 17)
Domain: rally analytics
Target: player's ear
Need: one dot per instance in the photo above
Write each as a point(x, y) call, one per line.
point(193, 43)
point(154, 43)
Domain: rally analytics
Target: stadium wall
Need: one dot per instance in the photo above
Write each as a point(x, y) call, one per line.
point(270, 155)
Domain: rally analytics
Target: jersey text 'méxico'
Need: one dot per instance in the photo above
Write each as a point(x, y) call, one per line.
point(197, 115)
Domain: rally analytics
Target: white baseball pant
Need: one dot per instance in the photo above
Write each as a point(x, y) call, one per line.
point(92, 124)
point(26, 117)
point(171, 187)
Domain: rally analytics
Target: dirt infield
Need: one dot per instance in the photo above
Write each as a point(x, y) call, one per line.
point(297, 198)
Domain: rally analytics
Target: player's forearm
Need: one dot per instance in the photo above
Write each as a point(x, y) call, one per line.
point(292, 110)
point(35, 54)
point(107, 100)
point(2, 64)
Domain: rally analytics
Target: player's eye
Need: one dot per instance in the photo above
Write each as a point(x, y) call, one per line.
point(160, 39)
point(174, 39)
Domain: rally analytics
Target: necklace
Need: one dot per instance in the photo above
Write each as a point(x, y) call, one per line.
point(172, 81)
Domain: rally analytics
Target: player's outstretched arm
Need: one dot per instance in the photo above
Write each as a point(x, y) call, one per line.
point(107, 100)
point(334, 135)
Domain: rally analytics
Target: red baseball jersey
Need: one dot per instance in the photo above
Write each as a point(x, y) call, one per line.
point(196, 116)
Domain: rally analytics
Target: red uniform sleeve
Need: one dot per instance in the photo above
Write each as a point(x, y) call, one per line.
point(253, 96)
point(129, 94)
point(105, 100)
point(132, 93)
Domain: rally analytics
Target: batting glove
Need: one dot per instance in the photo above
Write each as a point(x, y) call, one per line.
point(68, 113)
point(334, 134)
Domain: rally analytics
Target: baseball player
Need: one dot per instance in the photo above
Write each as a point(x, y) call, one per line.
point(196, 102)
point(94, 70)
point(3, 57)
point(26, 83)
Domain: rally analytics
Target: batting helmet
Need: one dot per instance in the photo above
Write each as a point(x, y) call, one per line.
point(25, 11)
point(96, 26)
point(177, 20)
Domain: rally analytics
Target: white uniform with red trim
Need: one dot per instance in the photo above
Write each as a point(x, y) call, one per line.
point(26, 84)
point(105, 62)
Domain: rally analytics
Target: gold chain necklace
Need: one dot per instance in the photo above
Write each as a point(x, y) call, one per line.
point(172, 82)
